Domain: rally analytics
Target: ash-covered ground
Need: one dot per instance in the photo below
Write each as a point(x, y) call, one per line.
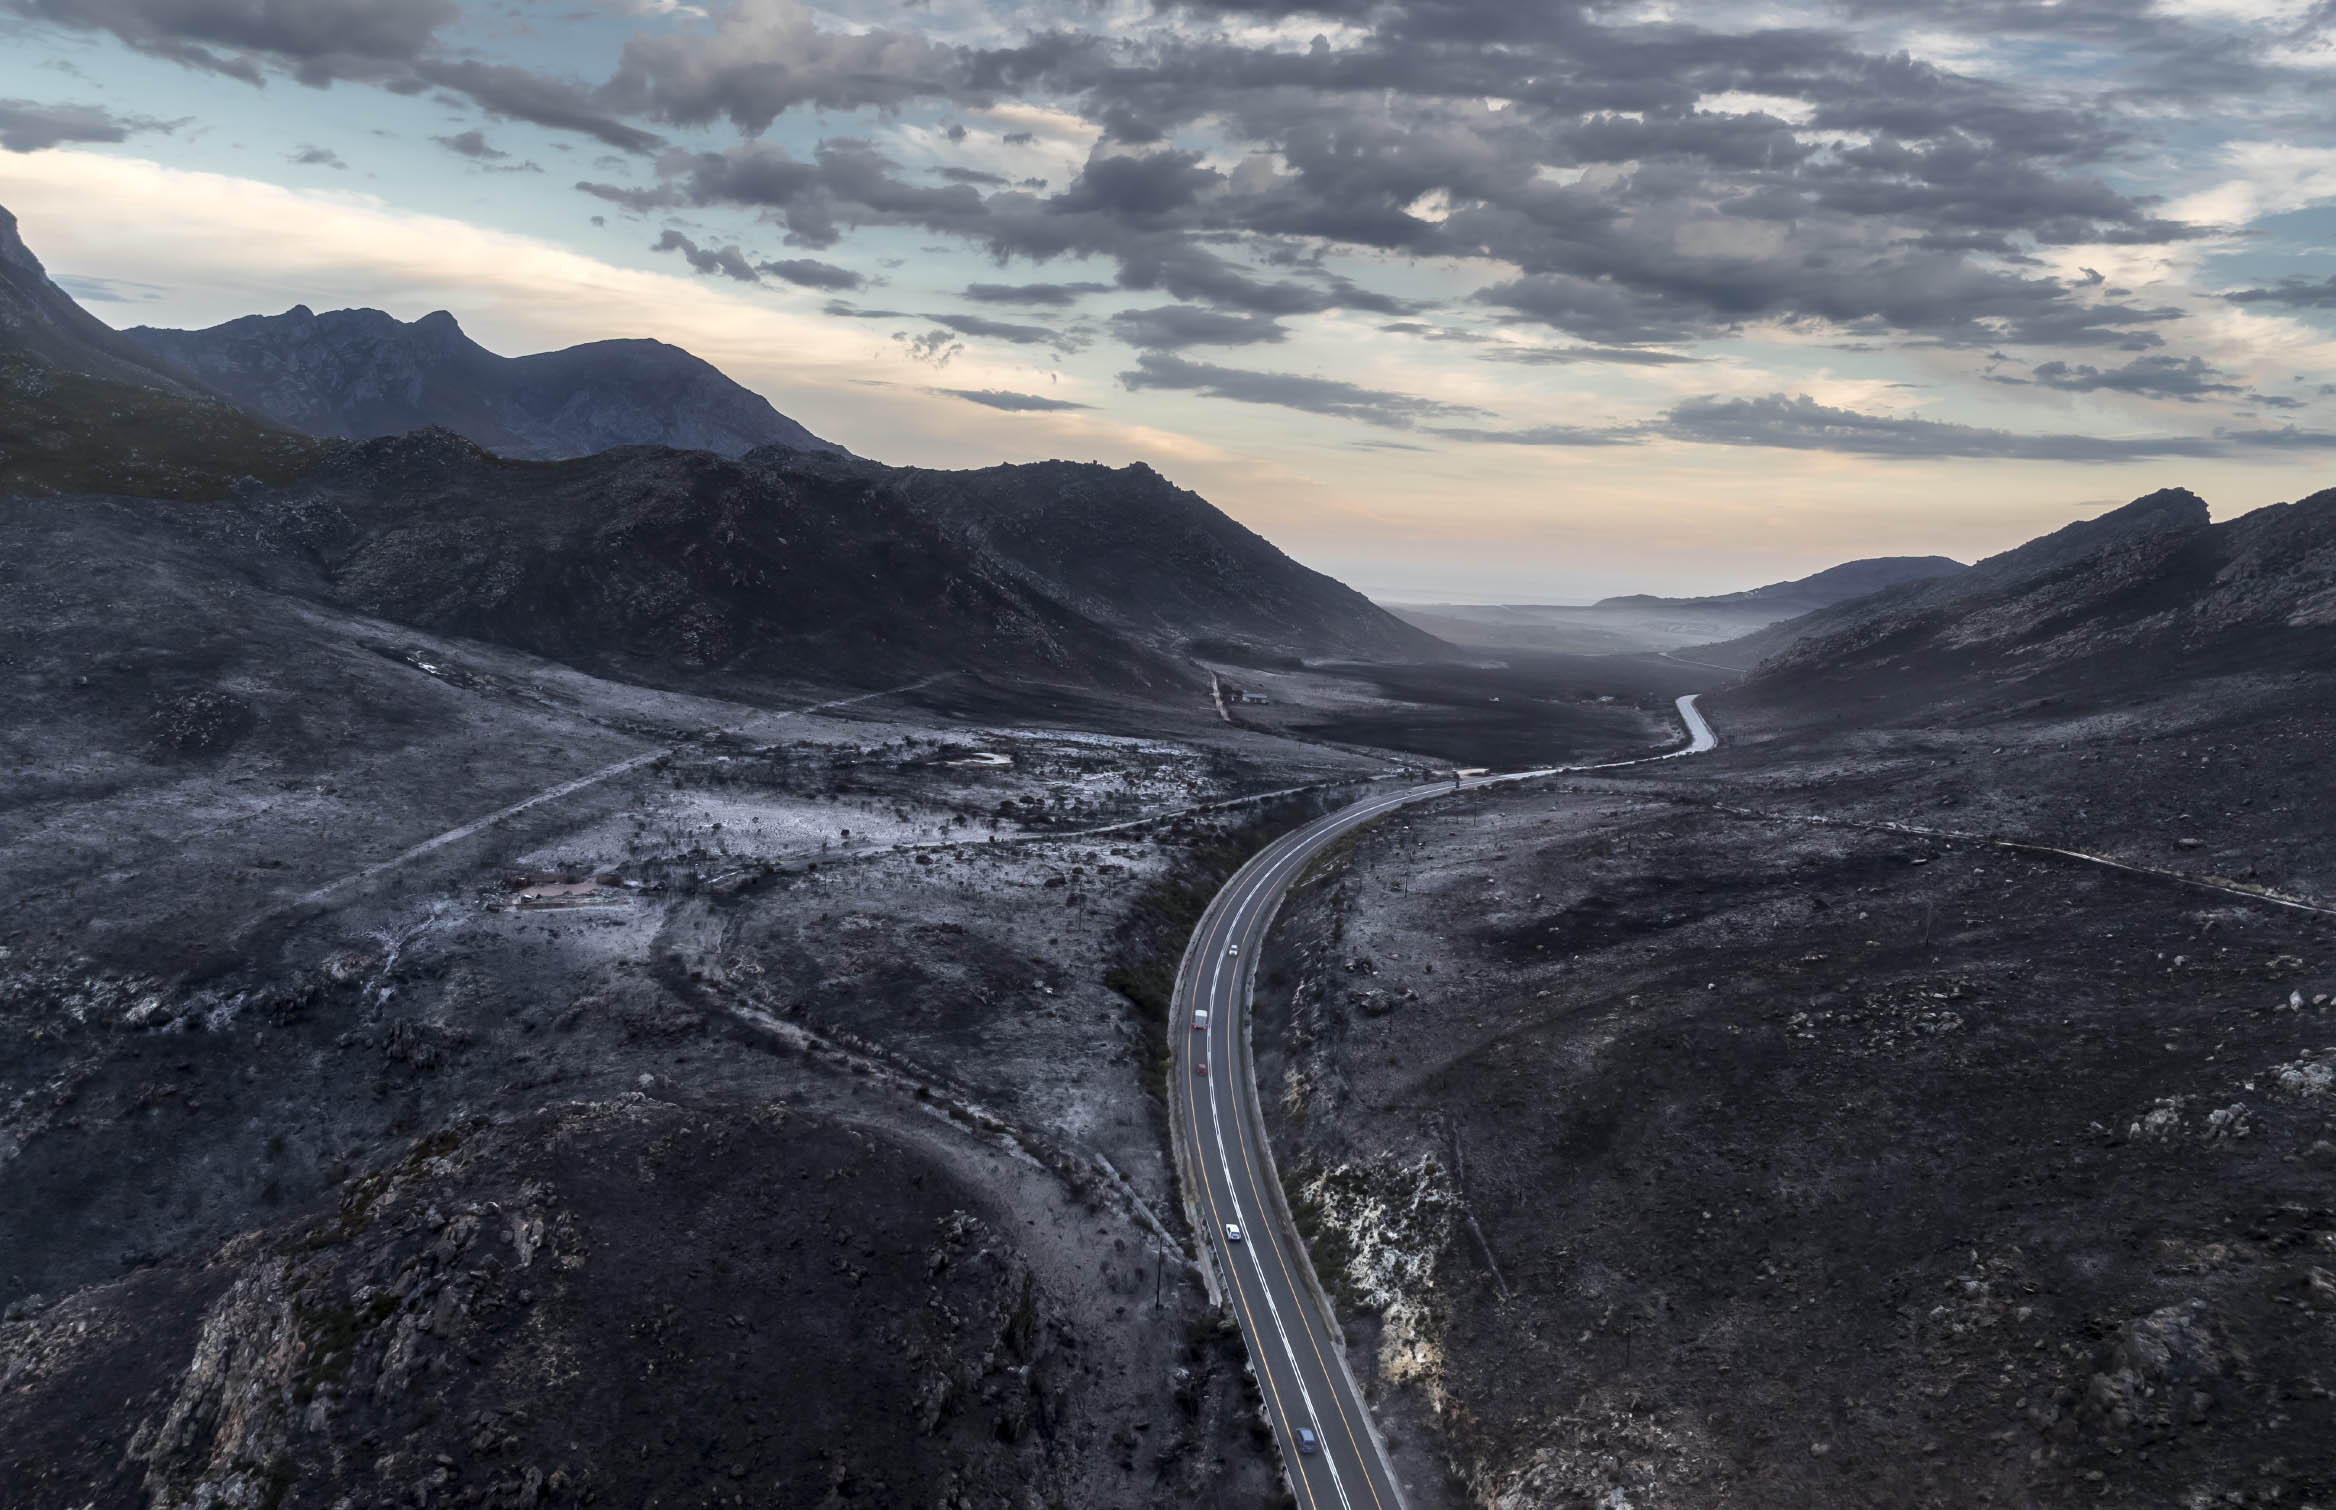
point(1670, 1150)
point(435, 1074)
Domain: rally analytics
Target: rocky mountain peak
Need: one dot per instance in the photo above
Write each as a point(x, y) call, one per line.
point(2167, 508)
point(13, 251)
point(40, 321)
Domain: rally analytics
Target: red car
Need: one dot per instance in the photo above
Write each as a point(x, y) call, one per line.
point(1200, 1067)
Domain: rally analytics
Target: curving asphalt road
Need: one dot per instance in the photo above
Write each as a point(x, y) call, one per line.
point(1227, 1173)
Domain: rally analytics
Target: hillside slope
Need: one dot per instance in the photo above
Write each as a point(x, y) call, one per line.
point(653, 564)
point(83, 410)
point(1128, 548)
point(1835, 584)
point(358, 373)
point(41, 321)
point(783, 566)
point(2145, 592)
point(484, 1318)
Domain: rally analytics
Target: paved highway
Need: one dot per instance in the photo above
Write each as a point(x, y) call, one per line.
point(1227, 1171)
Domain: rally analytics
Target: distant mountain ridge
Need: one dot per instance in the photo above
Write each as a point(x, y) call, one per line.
point(2146, 592)
point(1642, 622)
point(1835, 584)
point(361, 373)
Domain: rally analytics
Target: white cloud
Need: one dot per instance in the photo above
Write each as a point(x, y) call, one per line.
point(2260, 178)
point(1739, 102)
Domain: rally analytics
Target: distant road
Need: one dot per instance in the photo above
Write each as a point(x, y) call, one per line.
point(1226, 1169)
point(1684, 660)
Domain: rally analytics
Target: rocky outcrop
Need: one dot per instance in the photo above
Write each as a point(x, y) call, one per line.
point(620, 1303)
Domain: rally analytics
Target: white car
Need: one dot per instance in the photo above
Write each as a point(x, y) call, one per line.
point(1232, 948)
point(1200, 1019)
point(1232, 1232)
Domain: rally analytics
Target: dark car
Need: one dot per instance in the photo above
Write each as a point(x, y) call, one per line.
point(1306, 1441)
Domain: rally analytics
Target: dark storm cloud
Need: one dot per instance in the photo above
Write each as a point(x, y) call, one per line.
point(1800, 423)
point(393, 43)
point(761, 61)
point(1313, 395)
point(1943, 297)
point(1012, 403)
point(2187, 378)
point(1427, 332)
point(1171, 326)
point(473, 145)
point(1569, 356)
point(2296, 293)
point(516, 94)
point(2286, 437)
point(1046, 295)
point(1150, 187)
point(2162, 54)
point(1709, 220)
point(1003, 330)
point(1145, 213)
point(727, 261)
point(847, 183)
point(810, 272)
point(1579, 158)
point(1544, 435)
point(29, 126)
point(316, 41)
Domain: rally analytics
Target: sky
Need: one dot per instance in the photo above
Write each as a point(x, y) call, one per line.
point(1458, 300)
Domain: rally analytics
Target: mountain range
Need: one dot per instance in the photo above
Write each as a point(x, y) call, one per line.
point(359, 373)
point(682, 529)
point(1642, 622)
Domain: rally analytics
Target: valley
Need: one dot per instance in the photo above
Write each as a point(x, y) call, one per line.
point(566, 941)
